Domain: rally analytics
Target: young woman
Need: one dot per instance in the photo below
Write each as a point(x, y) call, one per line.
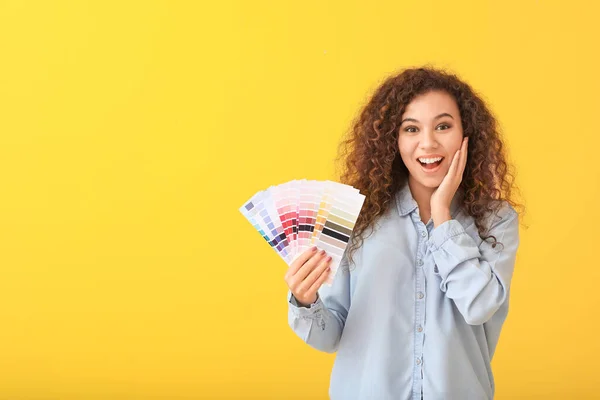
point(416, 309)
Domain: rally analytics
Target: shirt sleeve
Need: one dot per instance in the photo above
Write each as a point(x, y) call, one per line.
point(476, 278)
point(320, 324)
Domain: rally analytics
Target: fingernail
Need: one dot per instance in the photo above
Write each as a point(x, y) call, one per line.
point(314, 248)
point(328, 269)
point(322, 252)
point(329, 258)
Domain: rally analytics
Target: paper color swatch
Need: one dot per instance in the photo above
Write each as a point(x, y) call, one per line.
point(297, 215)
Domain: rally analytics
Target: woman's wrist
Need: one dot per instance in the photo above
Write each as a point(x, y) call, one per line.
point(440, 217)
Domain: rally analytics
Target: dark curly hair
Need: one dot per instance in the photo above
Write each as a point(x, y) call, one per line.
point(372, 163)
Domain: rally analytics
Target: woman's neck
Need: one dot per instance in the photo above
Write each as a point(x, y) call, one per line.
point(422, 196)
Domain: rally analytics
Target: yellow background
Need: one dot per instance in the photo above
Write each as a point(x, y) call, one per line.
point(131, 132)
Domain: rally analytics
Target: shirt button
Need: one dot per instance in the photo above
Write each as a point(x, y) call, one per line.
point(420, 328)
point(420, 295)
point(423, 233)
point(418, 361)
point(419, 262)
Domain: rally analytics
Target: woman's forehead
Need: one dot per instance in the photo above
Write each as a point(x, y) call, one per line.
point(434, 102)
point(431, 106)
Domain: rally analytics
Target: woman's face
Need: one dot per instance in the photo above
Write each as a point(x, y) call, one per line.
point(430, 135)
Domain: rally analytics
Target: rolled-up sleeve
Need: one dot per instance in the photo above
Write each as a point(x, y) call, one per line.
point(476, 278)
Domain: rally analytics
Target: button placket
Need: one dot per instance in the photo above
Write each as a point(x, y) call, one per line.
point(420, 306)
point(420, 281)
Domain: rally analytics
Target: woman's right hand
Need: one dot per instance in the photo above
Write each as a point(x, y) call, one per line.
point(306, 274)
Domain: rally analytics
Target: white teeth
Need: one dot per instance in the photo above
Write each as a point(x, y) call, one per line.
point(429, 160)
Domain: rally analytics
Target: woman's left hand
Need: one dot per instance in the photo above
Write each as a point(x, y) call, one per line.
point(443, 195)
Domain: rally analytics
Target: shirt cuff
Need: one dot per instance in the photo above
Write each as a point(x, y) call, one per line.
point(305, 311)
point(443, 232)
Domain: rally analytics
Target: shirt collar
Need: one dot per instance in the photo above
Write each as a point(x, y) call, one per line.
point(407, 204)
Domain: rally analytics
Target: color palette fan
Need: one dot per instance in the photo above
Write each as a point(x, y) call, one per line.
point(294, 216)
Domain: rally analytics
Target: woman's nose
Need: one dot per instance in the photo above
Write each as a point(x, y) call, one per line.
point(428, 139)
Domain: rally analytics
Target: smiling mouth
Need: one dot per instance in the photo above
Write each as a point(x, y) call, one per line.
point(431, 167)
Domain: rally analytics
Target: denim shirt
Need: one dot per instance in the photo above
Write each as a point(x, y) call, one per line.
point(419, 312)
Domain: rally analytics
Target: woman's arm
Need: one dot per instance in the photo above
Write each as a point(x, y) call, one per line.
point(320, 324)
point(476, 278)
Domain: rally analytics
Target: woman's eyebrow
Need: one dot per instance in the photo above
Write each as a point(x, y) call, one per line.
point(438, 117)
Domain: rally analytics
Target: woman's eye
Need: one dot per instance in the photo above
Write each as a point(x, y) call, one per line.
point(444, 126)
point(411, 129)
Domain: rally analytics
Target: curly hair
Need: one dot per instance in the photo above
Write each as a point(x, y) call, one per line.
point(372, 163)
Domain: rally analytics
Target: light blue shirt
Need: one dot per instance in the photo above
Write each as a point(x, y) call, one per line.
point(420, 311)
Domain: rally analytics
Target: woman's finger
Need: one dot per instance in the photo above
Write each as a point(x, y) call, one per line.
point(463, 155)
point(314, 274)
point(453, 167)
point(308, 266)
point(319, 282)
point(300, 261)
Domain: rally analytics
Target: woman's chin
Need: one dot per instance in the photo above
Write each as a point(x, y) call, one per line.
point(430, 183)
